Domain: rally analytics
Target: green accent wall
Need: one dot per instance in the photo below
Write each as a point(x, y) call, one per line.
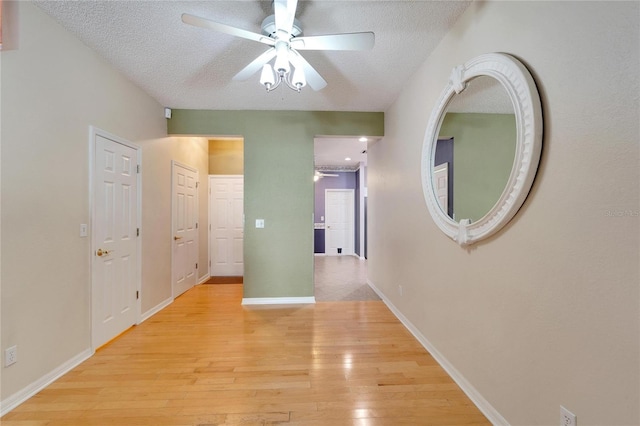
point(278, 176)
point(484, 147)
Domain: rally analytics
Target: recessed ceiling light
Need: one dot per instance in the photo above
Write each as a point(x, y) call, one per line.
point(347, 159)
point(363, 139)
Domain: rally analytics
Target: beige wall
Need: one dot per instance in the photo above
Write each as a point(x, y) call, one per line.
point(226, 156)
point(56, 88)
point(546, 312)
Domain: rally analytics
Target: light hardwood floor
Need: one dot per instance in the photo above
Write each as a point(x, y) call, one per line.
point(206, 360)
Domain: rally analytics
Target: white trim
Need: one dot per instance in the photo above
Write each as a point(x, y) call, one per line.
point(93, 132)
point(204, 279)
point(278, 300)
point(362, 191)
point(27, 392)
point(319, 254)
point(483, 405)
point(151, 312)
point(521, 88)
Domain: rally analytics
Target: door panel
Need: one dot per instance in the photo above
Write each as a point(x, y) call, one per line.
point(339, 221)
point(227, 225)
point(185, 231)
point(441, 179)
point(115, 246)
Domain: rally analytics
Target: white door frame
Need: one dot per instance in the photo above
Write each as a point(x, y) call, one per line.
point(197, 208)
point(93, 132)
point(210, 216)
point(351, 223)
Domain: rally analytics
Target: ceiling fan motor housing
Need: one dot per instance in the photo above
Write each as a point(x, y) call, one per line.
point(269, 27)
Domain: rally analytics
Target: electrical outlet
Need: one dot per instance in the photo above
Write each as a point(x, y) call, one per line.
point(10, 356)
point(567, 418)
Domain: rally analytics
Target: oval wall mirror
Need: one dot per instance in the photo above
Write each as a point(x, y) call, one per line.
point(482, 146)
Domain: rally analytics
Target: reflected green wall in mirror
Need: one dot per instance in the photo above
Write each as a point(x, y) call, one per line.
point(483, 150)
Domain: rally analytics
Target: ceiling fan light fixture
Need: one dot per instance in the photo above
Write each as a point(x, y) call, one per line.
point(282, 58)
point(299, 79)
point(266, 78)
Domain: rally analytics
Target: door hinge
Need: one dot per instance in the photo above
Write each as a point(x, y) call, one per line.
point(209, 264)
point(137, 232)
point(137, 168)
point(196, 266)
point(137, 295)
point(197, 184)
point(196, 225)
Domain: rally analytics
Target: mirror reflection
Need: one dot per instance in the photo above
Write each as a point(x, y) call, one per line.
point(475, 150)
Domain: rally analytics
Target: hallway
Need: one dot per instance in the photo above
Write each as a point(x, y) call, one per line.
point(341, 278)
point(208, 360)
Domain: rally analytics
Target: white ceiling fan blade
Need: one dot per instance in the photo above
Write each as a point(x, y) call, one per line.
point(227, 29)
point(314, 80)
point(285, 13)
point(255, 65)
point(347, 41)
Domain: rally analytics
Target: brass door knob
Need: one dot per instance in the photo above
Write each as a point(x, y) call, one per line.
point(101, 252)
point(177, 238)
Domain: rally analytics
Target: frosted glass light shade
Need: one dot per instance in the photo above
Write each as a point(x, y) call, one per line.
point(267, 78)
point(299, 79)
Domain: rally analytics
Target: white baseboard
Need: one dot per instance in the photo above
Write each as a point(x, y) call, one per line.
point(151, 312)
point(278, 300)
point(21, 396)
point(483, 405)
point(204, 279)
point(319, 254)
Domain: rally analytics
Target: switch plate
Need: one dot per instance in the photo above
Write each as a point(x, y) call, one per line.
point(259, 223)
point(83, 229)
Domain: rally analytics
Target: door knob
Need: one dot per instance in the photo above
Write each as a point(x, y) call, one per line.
point(177, 238)
point(101, 252)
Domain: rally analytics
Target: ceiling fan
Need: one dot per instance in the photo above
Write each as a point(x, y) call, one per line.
point(318, 175)
point(283, 33)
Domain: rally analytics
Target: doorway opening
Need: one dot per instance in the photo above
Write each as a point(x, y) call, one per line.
point(226, 210)
point(340, 233)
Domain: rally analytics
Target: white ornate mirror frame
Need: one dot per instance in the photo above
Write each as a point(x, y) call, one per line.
point(521, 88)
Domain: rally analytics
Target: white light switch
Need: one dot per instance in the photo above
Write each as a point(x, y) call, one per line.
point(259, 223)
point(83, 229)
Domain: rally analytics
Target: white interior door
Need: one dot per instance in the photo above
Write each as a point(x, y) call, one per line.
point(184, 209)
point(226, 209)
point(339, 221)
point(441, 179)
point(115, 258)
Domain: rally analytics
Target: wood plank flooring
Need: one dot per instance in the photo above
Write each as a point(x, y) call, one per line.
point(206, 360)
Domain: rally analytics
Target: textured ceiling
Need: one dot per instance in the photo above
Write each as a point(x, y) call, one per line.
point(188, 67)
